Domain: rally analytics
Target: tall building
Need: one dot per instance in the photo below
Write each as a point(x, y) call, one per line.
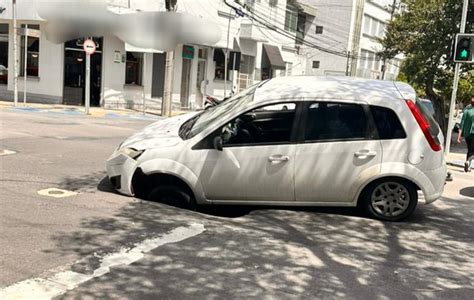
point(346, 33)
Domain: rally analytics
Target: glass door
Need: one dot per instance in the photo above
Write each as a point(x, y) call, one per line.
point(74, 83)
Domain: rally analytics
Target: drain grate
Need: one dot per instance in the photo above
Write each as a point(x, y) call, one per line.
point(56, 193)
point(6, 152)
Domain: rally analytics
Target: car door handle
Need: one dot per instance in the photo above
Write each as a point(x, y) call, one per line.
point(363, 154)
point(278, 158)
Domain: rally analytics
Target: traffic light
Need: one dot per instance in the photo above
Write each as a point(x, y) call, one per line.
point(464, 48)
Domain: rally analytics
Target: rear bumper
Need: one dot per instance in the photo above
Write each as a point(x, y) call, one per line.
point(438, 180)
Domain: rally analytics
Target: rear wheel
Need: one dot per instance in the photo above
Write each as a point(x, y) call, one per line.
point(390, 199)
point(172, 195)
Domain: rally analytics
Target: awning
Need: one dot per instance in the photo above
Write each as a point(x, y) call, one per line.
point(307, 9)
point(131, 48)
point(274, 56)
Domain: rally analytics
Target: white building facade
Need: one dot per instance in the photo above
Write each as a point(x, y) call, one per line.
point(123, 76)
point(346, 33)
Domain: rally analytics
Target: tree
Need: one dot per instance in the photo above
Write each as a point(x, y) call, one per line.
point(424, 34)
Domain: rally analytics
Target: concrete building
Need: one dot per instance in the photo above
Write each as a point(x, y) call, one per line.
point(124, 76)
point(346, 32)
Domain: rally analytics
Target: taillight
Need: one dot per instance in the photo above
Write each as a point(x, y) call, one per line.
point(424, 125)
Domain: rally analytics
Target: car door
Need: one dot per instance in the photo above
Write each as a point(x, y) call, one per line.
point(338, 149)
point(258, 157)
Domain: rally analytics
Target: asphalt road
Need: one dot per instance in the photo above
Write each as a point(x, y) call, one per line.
point(98, 244)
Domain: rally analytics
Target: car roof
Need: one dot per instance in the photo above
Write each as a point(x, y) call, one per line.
point(333, 88)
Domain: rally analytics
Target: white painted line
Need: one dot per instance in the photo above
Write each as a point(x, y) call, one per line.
point(6, 152)
point(58, 284)
point(56, 193)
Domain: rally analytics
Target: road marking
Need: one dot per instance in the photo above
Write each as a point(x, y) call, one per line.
point(56, 193)
point(60, 283)
point(6, 152)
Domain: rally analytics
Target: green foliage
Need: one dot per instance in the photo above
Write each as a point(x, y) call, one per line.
point(424, 34)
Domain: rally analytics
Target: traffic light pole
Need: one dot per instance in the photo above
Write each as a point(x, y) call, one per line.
point(455, 84)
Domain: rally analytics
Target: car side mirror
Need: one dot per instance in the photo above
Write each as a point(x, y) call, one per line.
point(217, 142)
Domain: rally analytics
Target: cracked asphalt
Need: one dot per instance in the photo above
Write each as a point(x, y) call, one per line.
point(244, 252)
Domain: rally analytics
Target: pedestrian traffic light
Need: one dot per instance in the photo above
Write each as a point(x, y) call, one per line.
point(464, 48)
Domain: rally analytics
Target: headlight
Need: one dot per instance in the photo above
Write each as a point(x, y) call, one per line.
point(130, 152)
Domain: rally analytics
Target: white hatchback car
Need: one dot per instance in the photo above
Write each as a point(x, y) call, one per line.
point(309, 141)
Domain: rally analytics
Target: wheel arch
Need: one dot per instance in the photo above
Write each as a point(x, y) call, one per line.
point(167, 171)
point(373, 181)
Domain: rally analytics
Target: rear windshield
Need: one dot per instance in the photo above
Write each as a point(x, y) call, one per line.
point(434, 127)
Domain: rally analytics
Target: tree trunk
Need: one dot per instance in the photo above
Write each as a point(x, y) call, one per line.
point(439, 107)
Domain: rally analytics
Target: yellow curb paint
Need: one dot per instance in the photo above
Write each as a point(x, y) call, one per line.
point(56, 193)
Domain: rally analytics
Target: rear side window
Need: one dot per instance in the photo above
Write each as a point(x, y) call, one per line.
point(336, 121)
point(388, 124)
point(434, 127)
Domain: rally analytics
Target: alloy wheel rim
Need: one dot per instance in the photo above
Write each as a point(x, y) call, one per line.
point(390, 199)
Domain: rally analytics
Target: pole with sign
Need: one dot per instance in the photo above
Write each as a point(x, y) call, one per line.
point(15, 56)
point(25, 64)
point(89, 48)
point(455, 84)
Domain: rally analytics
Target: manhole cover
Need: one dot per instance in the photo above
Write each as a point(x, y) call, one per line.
point(56, 193)
point(6, 152)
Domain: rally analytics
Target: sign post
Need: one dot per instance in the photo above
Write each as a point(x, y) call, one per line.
point(455, 84)
point(89, 48)
point(25, 64)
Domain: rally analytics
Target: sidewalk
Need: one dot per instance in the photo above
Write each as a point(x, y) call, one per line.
point(457, 160)
point(97, 112)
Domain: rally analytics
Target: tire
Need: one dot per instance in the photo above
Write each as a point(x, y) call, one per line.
point(173, 196)
point(390, 199)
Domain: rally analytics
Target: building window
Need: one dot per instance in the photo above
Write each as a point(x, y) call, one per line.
point(289, 68)
point(3, 53)
point(32, 53)
point(319, 29)
point(273, 3)
point(300, 28)
point(202, 53)
point(219, 58)
point(291, 18)
point(316, 64)
point(367, 24)
point(133, 69)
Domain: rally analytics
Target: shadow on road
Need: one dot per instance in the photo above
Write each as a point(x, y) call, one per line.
point(467, 192)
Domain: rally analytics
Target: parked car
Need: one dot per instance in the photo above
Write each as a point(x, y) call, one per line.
point(308, 141)
point(3, 74)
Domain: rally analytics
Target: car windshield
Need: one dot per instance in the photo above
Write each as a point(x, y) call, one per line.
point(198, 123)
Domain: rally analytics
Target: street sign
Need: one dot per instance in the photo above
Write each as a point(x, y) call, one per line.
point(464, 48)
point(89, 46)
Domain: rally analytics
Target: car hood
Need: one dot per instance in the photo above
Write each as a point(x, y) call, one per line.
point(163, 133)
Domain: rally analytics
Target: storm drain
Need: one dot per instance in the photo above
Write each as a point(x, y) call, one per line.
point(6, 152)
point(56, 193)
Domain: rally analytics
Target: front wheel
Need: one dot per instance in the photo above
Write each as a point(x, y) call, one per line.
point(172, 195)
point(390, 199)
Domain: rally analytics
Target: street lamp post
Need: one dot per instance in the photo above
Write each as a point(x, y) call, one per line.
point(15, 56)
point(455, 84)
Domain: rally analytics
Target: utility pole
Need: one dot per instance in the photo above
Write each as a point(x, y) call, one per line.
point(25, 67)
point(166, 103)
point(455, 83)
point(227, 55)
point(392, 12)
point(356, 36)
point(347, 63)
point(15, 56)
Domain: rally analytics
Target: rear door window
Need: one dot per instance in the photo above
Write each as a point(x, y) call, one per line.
point(388, 124)
point(434, 127)
point(336, 122)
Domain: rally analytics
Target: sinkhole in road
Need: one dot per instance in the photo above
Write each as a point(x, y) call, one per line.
point(56, 193)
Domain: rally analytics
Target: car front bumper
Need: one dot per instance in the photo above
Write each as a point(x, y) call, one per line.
point(120, 169)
